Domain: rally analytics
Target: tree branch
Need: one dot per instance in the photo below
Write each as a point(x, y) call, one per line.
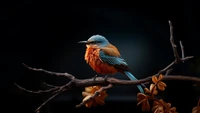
point(177, 59)
point(78, 83)
point(110, 81)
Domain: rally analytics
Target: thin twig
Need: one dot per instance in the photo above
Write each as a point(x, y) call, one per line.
point(166, 68)
point(37, 92)
point(95, 94)
point(182, 50)
point(49, 85)
point(61, 89)
point(71, 77)
point(52, 97)
point(174, 47)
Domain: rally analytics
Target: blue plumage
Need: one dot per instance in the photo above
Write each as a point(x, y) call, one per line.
point(118, 61)
point(133, 78)
point(112, 59)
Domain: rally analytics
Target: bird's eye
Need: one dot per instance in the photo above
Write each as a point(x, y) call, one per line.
point(95, 42)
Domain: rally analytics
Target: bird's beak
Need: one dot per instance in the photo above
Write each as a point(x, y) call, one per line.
point(83, 42)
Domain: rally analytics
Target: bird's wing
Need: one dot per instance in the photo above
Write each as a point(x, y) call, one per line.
point(108, 56)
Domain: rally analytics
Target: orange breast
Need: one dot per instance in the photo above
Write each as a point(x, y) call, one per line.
point(92, 58)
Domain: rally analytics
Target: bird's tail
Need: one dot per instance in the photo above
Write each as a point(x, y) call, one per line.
point(133, 78)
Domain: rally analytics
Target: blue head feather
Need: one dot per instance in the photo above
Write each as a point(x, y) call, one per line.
point(98, 40)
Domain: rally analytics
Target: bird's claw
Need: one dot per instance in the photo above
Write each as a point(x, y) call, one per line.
point(105, 78)
point(94, 78)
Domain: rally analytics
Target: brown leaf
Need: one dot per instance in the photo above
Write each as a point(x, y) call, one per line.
point(154, 79)
point(153, 89)
point(88, 104)
point(157, 107)
point(168, 105)
point(88, 89)
point(161, 85)
point(84, 94)
point(145, 106)
point(97, 100)
point(173, 109)
point(196, 109)
point(147, 91)
point(143, 99)
point(141, 96)
point(160, 77)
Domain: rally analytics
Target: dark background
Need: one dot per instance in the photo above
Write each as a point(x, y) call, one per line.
point(44, 34)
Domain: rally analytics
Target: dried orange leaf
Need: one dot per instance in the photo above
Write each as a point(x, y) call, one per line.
point(154, 79)
point(155, 107)
point(89, 104)
point(156, 103)
point(161, 101)
point(196, 109)
point(152, 87)
point(155, 92)
point(99, 101)
point(94, 103)
point(145, 106)
point(140, 102)
point(96, 88)
point(88, 89)
point(160, 77)
point(84, 94)
point(87, 97)
point(141, 96)
point(103, 94)
point(158, 109)
point(147, 91)
point(161, 86)
point(173, 109)
point(168, 105)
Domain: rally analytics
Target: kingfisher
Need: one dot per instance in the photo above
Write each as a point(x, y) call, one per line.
point(104, 58)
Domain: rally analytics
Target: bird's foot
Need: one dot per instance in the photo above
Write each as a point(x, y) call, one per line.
point(94, 78)
point(105, 78)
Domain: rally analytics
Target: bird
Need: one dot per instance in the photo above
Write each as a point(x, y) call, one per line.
point(104, 58)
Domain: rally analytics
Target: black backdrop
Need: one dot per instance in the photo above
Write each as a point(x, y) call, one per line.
point(44, 34)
